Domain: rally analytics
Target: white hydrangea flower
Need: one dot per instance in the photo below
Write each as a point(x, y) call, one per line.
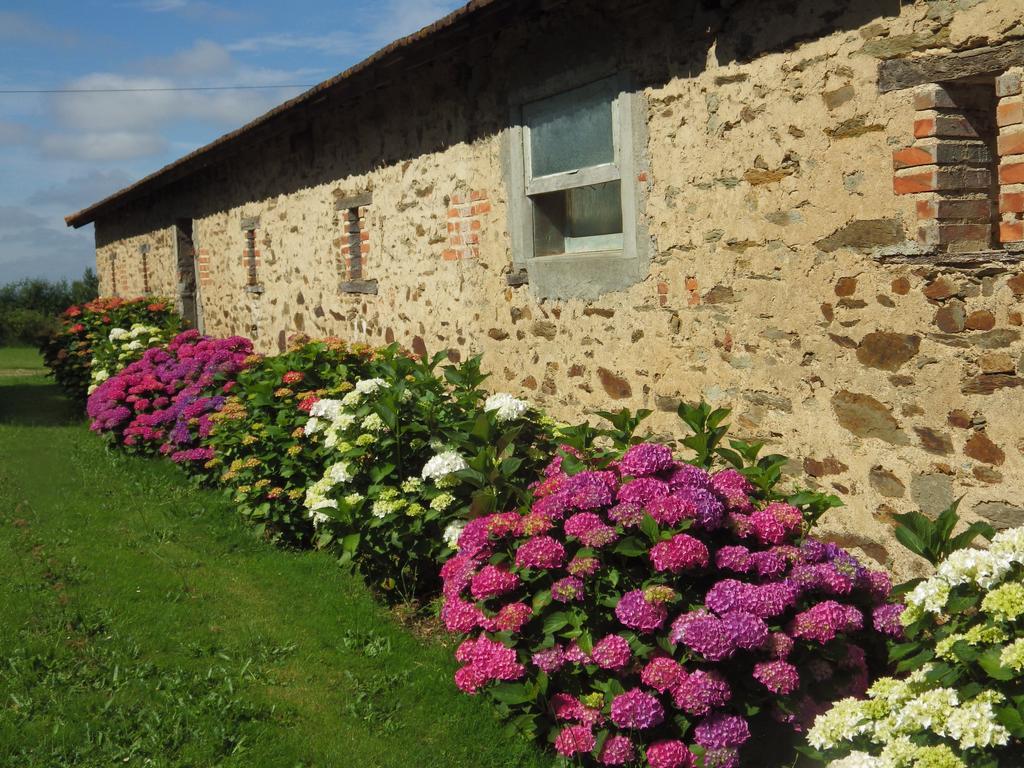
point(326, 409)
point(452, 532)
point(844, 722)
point(351, 400)
point(974, 726)
point(99, 375)
point(116, 334)
point(369, 386)
point(930, 595)
point(928, 711)
point(340, 473)
point(374, 423)
point(319, 518)
point(443, 465)
point(1012, 656)
point(1009, 544)
point(441, 502)
point(974, 566)
point(412, 485)
point(316, 496)
point(353, 498)
point(859, 760)
point(506, 407)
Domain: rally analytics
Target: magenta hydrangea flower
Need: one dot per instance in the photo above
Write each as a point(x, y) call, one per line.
point(504, 524)
point(591, 489)
point(777, 676)
point(886, 619)
point(662, 674)
point(770, 563)
point(822, 622)
point(583, 566)
point(745, 630)
point(669, 754)
point(487, 660)
point(512, 617)
point(705, 634)
point(643, 490)
point(700, 692)
point(734, 558)
point(461, 616)
point(879, 584)
point(549, 660)
point(688, 476)
point(680, 553)
point(552, 507)
point(722, 757)
point(611, 652)
point(730, 595)
point(583, 522)
point(779, 645)
point(492, 581)
point(567, 590)
point(540, 552)
point(574, 740)
point(637, 710)
point(456, 574)
point(567, 707)
point(535, 523)
point(721, 730)
point(474, 541)
point(627, 514)
point(734, 488)
point(617, 750)
point(576, 655)
point(635, 612)
point(646, 459)
point(775, 523)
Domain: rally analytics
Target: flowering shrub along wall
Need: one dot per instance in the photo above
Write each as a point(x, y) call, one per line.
point(83, 353)
point(645, 609)
point(412, 456)
point(631, 608)
point(258, 445)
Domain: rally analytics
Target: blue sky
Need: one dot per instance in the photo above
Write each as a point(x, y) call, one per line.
point(60, 152)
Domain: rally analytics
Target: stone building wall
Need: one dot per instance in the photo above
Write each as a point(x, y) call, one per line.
point(769, 189)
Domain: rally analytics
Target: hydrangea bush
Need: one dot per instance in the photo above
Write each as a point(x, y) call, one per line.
point(963, 701)
point(123, 346)
point(260, 453)
point(645, 611)
point(413, 453)
point(85, 332)
point(163, 402)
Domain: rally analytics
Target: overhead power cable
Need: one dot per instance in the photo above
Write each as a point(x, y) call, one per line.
point(151, 90)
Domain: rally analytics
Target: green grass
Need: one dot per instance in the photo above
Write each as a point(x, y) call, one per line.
point(20, 358)
point(142, 624)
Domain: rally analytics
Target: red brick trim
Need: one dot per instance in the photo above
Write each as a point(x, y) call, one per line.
point(465, 224)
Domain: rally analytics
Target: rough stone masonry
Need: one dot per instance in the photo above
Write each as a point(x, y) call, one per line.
point(831, 254)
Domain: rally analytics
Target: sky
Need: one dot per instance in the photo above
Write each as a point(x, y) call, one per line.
point(62, 152)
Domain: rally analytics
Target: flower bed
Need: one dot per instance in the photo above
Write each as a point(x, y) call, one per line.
point(260, 452)
point(85, 333)
point(163, 402)
point(963, 701)
point(412, 454)
point(644, 609)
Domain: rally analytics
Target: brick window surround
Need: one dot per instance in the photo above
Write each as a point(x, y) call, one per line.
point(251, 254)
point(965, 168)
point(354, 243)
point(464, 224)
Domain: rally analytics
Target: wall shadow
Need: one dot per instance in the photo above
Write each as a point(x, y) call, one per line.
point(29, 404)
point(458, 86)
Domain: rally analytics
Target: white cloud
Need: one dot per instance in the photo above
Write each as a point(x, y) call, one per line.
point(196, 9)
point(34, 247)
point(339, 43)
point(13, 133)
point(137, 123)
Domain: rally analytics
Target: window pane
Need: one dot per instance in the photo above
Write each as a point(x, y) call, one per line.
point(578, 220)
point(572, 130)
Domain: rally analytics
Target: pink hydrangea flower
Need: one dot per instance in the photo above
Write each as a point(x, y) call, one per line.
point(886, 619)
point(734, 488)
point(492, 581)
point(680, 553)
point(646, 459)
point(635, 612)
point(777, 676)
point(575, 740)
point(822, 622)
point(583, 566)
point(617, 750)
point(461, 616)
point(705, 634)
point(662, 674)
point(701, 691)
point(550, 660)
point(512, 617)
point(643, 490)
point(637, 710)
point(540, 552)
point(567, 590)
point(669, 754)
point(611, 652)
point(487, 660)
point(721, 730)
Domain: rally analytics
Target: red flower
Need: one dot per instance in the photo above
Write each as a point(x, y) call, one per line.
point(293, 377)
point(76, 328)
point(307, 405)
point(156, 307)
point(72, 311)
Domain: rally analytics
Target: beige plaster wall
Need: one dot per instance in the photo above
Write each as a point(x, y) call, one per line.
point(769, 187)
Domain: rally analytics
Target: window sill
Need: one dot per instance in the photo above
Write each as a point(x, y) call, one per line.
point(996, 260)
point(585, 276)
point(254, 289)
point(368, 287)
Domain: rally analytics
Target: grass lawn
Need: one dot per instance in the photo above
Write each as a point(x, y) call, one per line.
point(21, 359)
point(142, 624)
